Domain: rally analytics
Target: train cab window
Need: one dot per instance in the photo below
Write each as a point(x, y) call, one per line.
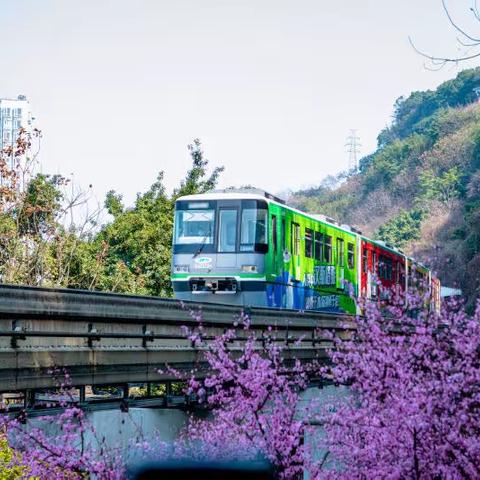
point(327, 249)
point(295, 238)
point(350, 255)
point(308, 243)
point(318, 246)
point(365, 260)
point(340, 252)
point(227, 230)
point(274, 233)
point(194, 226)
point(253, 229)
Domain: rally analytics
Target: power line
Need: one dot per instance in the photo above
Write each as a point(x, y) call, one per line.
point(353, 149)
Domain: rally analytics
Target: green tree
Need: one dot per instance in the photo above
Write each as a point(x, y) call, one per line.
point(197, 180)
point(9, 459)
point(133, 253)
point(402, 228)
point(443, 188)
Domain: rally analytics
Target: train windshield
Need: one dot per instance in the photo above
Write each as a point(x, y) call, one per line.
point(225, 226)
point(194, 226)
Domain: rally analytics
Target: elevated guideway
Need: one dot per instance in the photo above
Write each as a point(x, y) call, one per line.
point(104, 338)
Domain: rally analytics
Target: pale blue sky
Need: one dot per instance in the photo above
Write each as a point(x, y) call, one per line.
point(271, 87)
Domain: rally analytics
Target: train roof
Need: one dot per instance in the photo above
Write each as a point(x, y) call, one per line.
point(255, 194)
point(258, 194)
point(228, 195)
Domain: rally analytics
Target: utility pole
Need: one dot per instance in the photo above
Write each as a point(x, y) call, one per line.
point(353, 149)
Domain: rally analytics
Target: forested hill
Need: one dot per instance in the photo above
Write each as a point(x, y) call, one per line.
point(420, 189)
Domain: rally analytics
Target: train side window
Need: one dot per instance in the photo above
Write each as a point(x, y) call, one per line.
point(308, 243)
point(284, 236)
point(295, 238)
point(340, 252)
point(350, 255)
point(318, 246)
point(327, 250)
point(365, 260)
point(374, 262)
point(381, 267)
point(399, 277)
point(389, 268)
point(274, 233)
point(385, 268)
point(253, 229)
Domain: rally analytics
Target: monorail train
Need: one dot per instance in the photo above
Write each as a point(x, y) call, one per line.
point(247, 247)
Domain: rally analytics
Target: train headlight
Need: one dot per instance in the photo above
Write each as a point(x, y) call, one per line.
point(181, 268)
point(249, 268)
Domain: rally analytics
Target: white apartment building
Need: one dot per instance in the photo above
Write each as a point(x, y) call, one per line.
point(14, 114)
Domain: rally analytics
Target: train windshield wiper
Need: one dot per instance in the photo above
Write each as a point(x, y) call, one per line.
point(203, 243)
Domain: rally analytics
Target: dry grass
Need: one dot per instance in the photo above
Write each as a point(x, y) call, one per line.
point(439, 246)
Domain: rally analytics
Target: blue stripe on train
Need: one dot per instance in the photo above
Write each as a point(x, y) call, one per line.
point(287, 293)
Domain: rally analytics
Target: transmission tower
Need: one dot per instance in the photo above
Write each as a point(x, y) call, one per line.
point(353, 149)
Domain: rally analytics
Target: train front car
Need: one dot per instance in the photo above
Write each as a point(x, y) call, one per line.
point(251, 249)
point(219, 246)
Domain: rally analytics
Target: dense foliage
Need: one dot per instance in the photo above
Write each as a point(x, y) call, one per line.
point(420, 188)
point(135, 248)
point(40, 244)
point(402, 228)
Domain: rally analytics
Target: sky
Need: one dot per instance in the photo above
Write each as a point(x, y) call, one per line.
point(271, 87)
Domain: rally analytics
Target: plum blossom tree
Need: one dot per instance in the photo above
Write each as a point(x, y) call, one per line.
point(412, 411)
point(254, 396)
point(414, 407)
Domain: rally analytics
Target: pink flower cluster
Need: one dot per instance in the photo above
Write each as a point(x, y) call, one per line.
point(254, 397)
point(414, 409)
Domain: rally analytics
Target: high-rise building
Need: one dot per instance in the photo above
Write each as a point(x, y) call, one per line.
point(14, 114)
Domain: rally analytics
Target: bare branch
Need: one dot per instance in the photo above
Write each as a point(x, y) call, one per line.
point(441, 61)
point(474, 10)
point(463, 43)
point(465, 34)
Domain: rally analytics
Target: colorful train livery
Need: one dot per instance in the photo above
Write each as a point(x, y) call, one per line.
point(247, 247)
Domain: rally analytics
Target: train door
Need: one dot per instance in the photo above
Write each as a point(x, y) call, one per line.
point(274, 231)
point(285, 263)
point(340, 264)
point(295, 241)
point(368, 277)
point(368, 266)
point(364, 279)
point(374, 274)
point(400, 275)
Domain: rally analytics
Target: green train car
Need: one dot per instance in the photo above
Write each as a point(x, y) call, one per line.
point(249, 248)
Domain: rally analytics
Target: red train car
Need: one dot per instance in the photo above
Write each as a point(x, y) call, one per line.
point(386, 271)
point(382, 270)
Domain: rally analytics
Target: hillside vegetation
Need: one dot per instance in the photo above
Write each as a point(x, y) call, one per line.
point(420, 189)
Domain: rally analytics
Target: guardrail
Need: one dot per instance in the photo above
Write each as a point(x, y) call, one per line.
point(104, 338)
point(36, 303)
